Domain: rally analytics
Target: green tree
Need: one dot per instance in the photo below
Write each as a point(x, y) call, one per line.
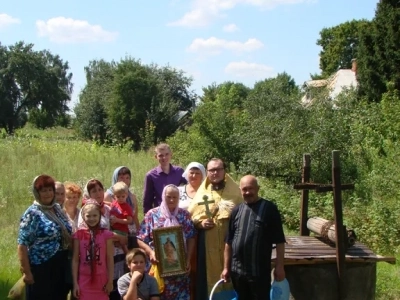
point(174, 99)
point(215, 121)
point(128, 101)
point(273, 112)
point(147, 99)
point(379, 54)
point(340, 45)
point(32, 80)
point(90, 111)
point(209, 93)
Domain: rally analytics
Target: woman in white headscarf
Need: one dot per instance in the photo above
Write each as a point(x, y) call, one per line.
point(194, 174)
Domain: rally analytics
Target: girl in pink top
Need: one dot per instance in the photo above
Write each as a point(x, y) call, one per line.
point(92, 261)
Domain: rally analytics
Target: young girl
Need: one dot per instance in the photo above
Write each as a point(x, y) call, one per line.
point(92, 261)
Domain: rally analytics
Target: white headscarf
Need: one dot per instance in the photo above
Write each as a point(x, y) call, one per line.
point(170, 217)
point(192, 165)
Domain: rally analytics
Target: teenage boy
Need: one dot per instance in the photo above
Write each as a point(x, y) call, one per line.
point(156, 179)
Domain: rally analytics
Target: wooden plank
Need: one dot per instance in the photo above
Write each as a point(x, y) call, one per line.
point(305, 186)
point(321, 188)
point(332, 259)
point(305, 178)
point(338, 210)
point(359, 252)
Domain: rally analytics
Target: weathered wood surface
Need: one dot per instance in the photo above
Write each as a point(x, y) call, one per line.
point(321, 188)
point(312, 250)
point(327, 229)
point(305, 178)
point(338, 212)
point(320, 282)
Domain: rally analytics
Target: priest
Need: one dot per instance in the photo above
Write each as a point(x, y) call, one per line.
point(210, 210)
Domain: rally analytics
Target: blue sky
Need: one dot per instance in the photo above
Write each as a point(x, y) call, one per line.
point(211, 40)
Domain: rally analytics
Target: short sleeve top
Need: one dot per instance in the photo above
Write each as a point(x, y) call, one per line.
point(40, 235)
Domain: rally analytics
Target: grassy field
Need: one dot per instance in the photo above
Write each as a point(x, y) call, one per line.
point(27, 155)
point(57, 153)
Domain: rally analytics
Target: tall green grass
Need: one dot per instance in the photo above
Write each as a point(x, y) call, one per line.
point(58, 153)
point(29, 154)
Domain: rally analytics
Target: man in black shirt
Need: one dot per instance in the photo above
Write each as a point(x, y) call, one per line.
point(254, 226)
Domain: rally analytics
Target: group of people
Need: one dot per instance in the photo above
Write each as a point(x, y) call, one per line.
point(102, 251)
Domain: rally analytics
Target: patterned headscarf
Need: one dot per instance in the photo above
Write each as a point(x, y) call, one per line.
point(55, 213)
point(170, 217)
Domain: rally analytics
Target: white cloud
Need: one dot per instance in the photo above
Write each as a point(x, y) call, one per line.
point(203, 12)
point(67, 30)
point(246, 69)
point(6, 20)
point(230, 28)
point(214, 46)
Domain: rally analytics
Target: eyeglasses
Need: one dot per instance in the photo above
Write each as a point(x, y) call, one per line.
point(215, 170)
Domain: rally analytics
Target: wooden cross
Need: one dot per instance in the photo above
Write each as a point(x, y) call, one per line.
point(336, 187)
point(206, 203)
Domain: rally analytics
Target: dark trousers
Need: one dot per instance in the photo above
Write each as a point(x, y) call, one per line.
point(251, 288)
point(114, 295)
point(50, 279)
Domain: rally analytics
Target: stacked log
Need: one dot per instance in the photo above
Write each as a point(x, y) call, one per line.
point(326, 229)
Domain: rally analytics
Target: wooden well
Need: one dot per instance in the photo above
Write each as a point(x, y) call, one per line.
point(328, 267)
point(310, 267)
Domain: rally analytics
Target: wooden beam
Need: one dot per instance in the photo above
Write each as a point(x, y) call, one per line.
point(337, 201)
point(305, 186)
point(329, 188)
point(321, 188)
point(305, 178)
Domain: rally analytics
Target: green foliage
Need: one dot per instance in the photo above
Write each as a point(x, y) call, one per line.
point(267, 132)
point(133, 92)
point(56, 152)
point(36, 82)
point(91, 116)
point(215, 121)
point(129, 101)
point(340, 45)
point(379, 54)
point(374, 217)
point(273, 112)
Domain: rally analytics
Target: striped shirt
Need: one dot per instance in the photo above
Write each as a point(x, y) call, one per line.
point(253, 229)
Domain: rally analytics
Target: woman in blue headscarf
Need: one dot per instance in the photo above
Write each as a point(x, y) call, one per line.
point(123, 174)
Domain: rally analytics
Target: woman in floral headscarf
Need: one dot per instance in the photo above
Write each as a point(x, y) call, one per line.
point(43, 241)
point(166, 215)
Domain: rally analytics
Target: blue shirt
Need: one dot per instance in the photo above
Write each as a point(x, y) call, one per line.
point(155, 182)
point(40, 235)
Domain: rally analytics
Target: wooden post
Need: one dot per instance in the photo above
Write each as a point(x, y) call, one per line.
point(305, 178)
point(337, 201)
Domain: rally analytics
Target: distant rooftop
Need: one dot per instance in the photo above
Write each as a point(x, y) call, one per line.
point(337, 83)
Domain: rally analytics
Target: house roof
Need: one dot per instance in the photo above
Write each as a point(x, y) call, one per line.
point(316, 83)
point(341, 80)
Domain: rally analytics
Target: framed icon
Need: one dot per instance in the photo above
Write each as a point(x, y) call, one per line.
point(170, 250)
